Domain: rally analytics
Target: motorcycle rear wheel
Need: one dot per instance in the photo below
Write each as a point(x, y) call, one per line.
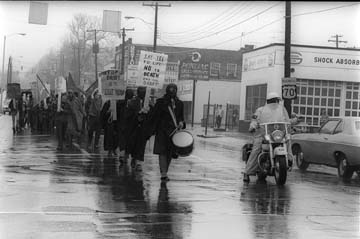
point(280, 169)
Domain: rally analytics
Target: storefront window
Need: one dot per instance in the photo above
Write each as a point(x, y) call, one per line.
point(355, 95)
point(347, 105)
point(255, 97)
point(316, 111)
point(317, 101)
point(309, 111)
point(355, 105)
point(338, 93)
point(337, 102)
point(348, 95)
point(303, 101)
point(324, 92)
point(330, 102)
point(310, 101)
point(323, 102)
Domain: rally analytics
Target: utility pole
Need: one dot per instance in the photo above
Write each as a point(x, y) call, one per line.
point(337, 40)
point(95, 51)
point(157, 5)
point(123, 35)
point(287, 65)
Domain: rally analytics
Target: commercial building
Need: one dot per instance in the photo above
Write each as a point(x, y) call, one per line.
point(217, 71)
point(327, 80)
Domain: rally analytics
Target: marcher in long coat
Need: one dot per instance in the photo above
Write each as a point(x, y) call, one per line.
point(61, 118)
point(122, 125)
point(109, 126)
point(13, 106)
point(72, 128)
point(79, 113)
point(94, 119)
point(136, 119)
point(163, 126)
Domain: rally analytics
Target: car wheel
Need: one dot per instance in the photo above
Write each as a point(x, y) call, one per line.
point(345, 171)
point(299, 158)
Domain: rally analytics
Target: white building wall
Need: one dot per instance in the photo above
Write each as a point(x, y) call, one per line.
point(222, 92)
point(266, 66)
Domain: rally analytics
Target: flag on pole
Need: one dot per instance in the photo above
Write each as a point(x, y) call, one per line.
point(44, 89)
point(91, 88)
point(70, 85)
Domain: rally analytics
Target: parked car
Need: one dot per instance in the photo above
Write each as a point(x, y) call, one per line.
point(6, 110)
point(336, 144)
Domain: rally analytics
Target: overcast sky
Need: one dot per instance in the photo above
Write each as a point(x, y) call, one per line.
point(219, 25)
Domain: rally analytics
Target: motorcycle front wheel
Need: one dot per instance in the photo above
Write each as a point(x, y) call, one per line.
point(280, 169)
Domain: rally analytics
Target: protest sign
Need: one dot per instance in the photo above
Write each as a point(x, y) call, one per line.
point(132, 75)
point(152, 67)
point(112, 88)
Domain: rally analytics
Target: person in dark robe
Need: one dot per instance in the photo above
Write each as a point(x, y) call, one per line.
point(109, 125)
point(136, 125)
point(123, 133)
point(163, 126)
point(61, 119)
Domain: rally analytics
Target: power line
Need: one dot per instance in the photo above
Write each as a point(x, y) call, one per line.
point(199, 27)
point(215, 26)
point(324, 10)
point(232, 26)
point(232, 39)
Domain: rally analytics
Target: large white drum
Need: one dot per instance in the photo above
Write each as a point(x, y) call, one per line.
point(183, 142)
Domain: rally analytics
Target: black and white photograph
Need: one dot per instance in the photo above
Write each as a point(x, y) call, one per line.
point(180, 119)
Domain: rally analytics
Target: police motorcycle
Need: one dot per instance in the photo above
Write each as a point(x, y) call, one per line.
point(274, 158)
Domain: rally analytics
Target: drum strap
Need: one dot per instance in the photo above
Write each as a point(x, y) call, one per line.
point(174, 120)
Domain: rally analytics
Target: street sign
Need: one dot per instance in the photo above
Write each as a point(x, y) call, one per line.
point(288, 80)
point(289, 88)
point(289, 92)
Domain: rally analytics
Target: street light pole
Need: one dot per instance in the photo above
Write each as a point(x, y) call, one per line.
point(3, 66)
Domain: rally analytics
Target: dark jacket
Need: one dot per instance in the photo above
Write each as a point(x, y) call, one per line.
point(162, 124)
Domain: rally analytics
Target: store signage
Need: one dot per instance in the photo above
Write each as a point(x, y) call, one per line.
point(152, 67)
point(307, 58)
point(132, 75)
point(194, 71)
point(258, 62)
point(172, 72)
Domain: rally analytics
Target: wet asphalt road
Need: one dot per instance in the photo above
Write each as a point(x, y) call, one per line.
point(77, 194)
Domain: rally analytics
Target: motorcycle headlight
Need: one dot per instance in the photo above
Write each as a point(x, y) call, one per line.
point(277, 135)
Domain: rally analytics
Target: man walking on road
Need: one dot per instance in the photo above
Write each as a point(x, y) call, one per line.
point(94, 120)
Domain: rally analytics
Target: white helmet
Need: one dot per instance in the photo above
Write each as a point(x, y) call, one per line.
point(273, 95)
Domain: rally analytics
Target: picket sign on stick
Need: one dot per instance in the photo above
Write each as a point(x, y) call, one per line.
point(152, 68)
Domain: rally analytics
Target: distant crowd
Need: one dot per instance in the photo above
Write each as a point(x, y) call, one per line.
point(77, 119)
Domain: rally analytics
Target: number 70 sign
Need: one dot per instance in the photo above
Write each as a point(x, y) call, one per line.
point(289, 92)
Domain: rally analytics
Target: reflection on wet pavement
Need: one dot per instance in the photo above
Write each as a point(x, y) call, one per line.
point(76, 194)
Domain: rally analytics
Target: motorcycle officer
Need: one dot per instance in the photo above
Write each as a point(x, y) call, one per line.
point(272, 111)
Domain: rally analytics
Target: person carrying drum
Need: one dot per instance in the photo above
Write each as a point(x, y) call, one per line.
point(163, 125)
